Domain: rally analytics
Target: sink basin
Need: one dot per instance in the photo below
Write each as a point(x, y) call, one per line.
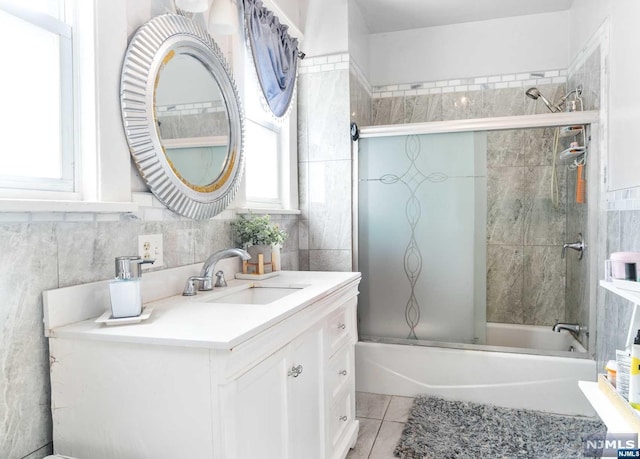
point(254, 295)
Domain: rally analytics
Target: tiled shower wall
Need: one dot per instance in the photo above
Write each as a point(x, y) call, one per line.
point(481, 97)
point(525, 231)
point(48, 251)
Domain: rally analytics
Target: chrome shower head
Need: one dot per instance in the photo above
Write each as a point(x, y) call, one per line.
point(535, 94)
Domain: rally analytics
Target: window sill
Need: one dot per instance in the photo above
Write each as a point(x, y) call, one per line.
point(38, 205)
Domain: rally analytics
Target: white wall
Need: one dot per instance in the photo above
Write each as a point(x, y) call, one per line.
point(585, 17)
point(358, 37)
point(624, 67)
point(326, 28)
point(290, 12)
point(509, 45)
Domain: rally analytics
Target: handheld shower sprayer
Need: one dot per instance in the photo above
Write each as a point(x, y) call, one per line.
point(535, 94)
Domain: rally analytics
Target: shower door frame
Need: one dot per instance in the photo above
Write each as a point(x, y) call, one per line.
point(594, 199)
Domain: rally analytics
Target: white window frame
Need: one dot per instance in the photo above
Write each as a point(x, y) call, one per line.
point(103, 164)
point(69, 178)
point(256, 111)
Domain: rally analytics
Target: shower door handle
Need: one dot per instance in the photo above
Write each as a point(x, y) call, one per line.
point(579, 245)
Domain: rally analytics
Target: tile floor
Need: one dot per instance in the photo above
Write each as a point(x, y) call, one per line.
point(382, 418)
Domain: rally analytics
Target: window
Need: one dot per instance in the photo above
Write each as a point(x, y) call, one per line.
point(262, 168)
point(270, 151)
point(37, 118)
point(71, 129)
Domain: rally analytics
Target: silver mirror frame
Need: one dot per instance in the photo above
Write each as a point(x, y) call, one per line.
point(152, 46)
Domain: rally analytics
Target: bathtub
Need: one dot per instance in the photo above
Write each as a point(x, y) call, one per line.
point(534, 338)
point(514, 376)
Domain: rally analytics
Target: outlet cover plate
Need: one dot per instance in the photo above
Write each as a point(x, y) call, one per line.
point(150, 247)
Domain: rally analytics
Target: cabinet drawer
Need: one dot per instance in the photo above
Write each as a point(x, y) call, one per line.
point(341, 416)
point(341, 325)
point(340, 371)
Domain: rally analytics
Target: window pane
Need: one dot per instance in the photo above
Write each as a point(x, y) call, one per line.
point(30, 144)
point(261, 148)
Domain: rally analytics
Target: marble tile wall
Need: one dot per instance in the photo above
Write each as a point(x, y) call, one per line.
point(324, 155)
point(47, 251)
point(525, 231)
point(461, 104)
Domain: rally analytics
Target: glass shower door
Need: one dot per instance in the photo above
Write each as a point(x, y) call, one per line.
point(422, 237)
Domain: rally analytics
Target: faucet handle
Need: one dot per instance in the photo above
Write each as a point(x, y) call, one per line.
point(220, 280)
point(190, 286)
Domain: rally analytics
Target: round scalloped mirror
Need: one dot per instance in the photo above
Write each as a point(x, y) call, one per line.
point(182, 116)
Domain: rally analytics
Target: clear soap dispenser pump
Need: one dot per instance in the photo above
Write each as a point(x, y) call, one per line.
point(125, 289)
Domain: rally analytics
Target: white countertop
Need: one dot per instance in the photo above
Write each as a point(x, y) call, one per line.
point(189, 321)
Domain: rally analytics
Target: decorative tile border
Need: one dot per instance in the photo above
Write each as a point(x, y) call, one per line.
point(627, 199)
point(514, 80)
point(324, 63)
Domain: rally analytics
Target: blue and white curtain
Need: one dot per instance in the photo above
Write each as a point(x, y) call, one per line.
point(275, 54)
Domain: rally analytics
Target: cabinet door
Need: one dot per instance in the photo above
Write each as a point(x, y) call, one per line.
point(261, 424)
point(306, 391)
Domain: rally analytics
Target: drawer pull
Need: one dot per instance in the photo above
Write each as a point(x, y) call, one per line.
point(343, 418)
point(295, 371)
point(343, 373)
point(342, 326)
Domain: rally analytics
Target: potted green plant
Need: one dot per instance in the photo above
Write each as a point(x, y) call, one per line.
point(258, 235)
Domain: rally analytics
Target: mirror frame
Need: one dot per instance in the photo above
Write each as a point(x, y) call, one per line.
point(151, 48)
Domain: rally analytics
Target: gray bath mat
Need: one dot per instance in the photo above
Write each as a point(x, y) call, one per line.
point(444, 429)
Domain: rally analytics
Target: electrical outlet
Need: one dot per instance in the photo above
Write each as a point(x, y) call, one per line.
point(150, 247)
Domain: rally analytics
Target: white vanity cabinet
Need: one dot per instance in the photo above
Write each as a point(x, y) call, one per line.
point(310, 385)
point(285, 392)
point(278, 404)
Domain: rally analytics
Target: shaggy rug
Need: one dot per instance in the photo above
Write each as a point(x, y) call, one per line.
point(444, 429)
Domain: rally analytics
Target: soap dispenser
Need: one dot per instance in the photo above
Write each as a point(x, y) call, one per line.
point(125, 289)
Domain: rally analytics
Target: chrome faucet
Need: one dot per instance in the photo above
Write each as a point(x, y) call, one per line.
point(206, 274)
point(572, 328)
point(579, 245)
